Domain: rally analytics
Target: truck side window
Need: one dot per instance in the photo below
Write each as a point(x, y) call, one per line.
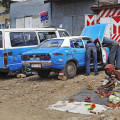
point(46, 35)
point(30, 38)
point(71, 44)
point(1, 40)
point(63, 34)
point(17, 39)
point(23, 39)
point(77, 43)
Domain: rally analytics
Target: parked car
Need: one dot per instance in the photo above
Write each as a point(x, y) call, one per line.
point(13, 42)
point(62, 54)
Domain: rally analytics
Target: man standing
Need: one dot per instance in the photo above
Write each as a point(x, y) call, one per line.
point(91, 49)
point(114, 56)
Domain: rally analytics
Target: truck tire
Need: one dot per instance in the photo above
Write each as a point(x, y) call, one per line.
point(70, 70)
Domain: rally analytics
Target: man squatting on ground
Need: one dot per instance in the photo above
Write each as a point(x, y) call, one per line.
point(110, 72)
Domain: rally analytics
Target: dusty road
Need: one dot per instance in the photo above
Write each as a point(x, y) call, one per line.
point(27, 98)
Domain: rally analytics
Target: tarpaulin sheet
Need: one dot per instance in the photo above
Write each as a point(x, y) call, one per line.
point(80, 96)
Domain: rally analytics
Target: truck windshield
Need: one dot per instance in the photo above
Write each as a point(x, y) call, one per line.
point(46, 35)
point(50, 43)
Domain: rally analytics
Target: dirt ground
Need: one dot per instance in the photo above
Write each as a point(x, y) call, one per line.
point(28, 98)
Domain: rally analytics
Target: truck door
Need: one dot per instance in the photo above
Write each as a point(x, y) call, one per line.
point(104, 55)
point(19, 42)
point(78, 51)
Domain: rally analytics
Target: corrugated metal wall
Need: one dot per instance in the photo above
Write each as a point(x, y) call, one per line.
point(71, 15)
point(31, 8)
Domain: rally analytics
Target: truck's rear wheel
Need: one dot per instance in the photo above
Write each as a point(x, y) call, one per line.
point(70, 70)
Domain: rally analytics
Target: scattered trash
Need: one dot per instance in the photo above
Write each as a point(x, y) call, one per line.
point(88, 99)
point(92, 106)
point(62, 77)
point(98, 91)
point(102, 95)
point(21, 75)
point(71, 100)
point(52, 91)
point(90, 87)
point(112, 105)
point(105, 82)
point(109, 93)
point(93, 112)
point(87, 104)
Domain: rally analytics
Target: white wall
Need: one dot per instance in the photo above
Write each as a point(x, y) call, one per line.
point(29, 22)
point(118, 1)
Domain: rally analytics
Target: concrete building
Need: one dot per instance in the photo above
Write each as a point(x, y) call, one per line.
point(70, 14)
point(30, 14)
point(4, 17)
point(106, 13)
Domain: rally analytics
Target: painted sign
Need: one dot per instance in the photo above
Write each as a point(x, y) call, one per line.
point(90, 20)
point(44, 16)
point(103, 17)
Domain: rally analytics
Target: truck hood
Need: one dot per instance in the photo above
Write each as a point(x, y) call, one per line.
point(40, 51)
point(94, 31)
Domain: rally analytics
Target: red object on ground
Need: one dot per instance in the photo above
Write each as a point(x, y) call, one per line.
point(98, 91)
point(109, 93)
point(88, 99)
point(93, 106)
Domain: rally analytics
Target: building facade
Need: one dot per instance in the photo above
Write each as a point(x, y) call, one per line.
point(70, 15)
point(30, 14)
point(109, 14)
point(4, 17)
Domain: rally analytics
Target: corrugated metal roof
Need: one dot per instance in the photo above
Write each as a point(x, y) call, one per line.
point(105, 7)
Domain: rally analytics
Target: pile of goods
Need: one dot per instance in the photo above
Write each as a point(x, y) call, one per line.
point(88, 99)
